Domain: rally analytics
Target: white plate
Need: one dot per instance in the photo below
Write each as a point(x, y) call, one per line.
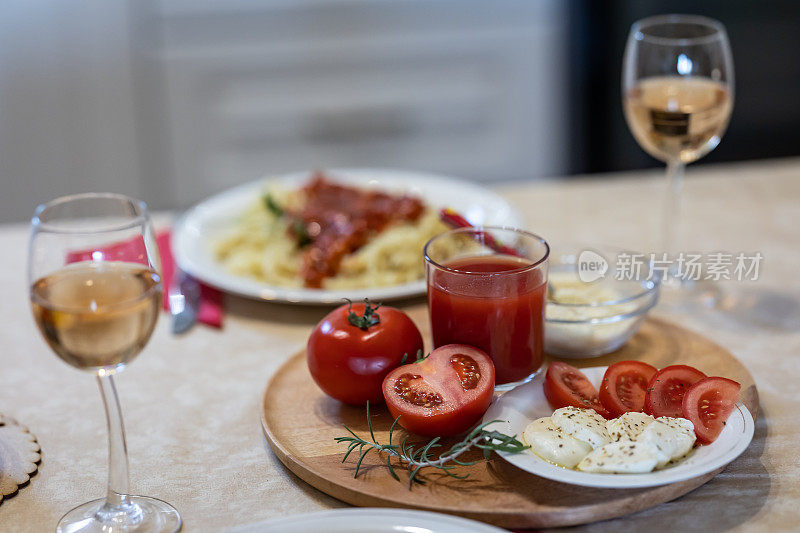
point(517, 408)
point(368, 520)
point(190, 240)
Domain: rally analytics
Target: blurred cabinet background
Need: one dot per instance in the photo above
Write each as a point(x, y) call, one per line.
point(172, 100)
point(67, 112)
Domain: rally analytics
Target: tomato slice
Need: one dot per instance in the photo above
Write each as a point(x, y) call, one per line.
point(624, 386)
point(566, 385)
point(445, 394)
point(667, 387)
point(708, 404)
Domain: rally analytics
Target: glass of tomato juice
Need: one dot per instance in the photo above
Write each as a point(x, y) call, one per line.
point(486, 288)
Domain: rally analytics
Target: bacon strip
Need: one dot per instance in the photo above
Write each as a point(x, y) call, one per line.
point(339, 219)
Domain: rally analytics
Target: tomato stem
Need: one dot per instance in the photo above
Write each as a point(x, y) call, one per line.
point(369, 318)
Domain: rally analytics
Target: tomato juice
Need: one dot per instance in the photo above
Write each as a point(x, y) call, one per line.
point(495, 303)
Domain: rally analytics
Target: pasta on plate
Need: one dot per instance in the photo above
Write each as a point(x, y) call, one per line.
point(277, 240)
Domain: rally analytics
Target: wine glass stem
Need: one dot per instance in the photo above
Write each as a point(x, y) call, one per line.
point(672, 207)
point(118, 482)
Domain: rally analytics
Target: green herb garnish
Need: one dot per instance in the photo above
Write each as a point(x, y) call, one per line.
point(272, 206)
point(417, 459)
point(301, 233)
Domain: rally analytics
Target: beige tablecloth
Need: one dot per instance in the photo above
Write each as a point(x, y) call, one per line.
point(191, 403)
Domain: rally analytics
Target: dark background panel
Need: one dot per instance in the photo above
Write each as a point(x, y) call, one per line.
point(765, 39)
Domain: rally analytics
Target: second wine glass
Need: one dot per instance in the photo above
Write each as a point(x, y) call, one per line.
point(677, 87)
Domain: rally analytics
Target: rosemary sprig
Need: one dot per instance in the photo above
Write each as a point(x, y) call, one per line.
point(417, 459)
point(420, 357)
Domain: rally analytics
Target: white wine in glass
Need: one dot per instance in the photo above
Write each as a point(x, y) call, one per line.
point(97, 316)
point(678, 118)
point(95, 292)
point(677, 91)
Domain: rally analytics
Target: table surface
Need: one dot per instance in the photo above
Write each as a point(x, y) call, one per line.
point(191, 403)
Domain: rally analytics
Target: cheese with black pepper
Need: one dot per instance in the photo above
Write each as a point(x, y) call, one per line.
point(551, 444)
point(672, 437)
point(621, 457)
point(583, 424)
point(632, 443)
point(628, 426)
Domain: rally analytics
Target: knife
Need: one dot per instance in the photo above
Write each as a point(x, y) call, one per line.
point(184, 301)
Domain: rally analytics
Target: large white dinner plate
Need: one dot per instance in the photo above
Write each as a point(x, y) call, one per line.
point(369, 520)
point(518, 407)
point(194, 232)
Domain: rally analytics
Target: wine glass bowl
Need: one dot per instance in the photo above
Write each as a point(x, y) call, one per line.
point(95, 289)
point(678, 118)
point(678, 86)
point(95, 292)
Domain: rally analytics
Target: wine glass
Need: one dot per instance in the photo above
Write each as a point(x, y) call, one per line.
point(677, 87)
point(95, 290)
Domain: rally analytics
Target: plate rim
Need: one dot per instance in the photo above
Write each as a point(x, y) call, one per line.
point(376, 512)
point(260, 291)
point(626, 481)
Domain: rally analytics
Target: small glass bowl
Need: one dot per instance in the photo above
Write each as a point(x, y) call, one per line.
point(580, 330)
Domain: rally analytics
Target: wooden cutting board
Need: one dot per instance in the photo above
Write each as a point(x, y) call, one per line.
point(300, 423)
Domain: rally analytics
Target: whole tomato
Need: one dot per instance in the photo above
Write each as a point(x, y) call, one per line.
point(353, 348)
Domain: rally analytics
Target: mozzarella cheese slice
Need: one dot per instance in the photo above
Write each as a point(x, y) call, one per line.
point(672, 437)
point(551, 444)
point(583, 424)
point(621, 457)
point(628, 426)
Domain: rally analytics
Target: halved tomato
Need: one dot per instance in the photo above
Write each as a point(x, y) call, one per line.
point(444, 394)
point(667, 387)
point(708, 404)
point(624, 386)
point(566, 385)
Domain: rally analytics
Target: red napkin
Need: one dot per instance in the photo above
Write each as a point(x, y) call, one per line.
point(211, 302)
point(210, 310)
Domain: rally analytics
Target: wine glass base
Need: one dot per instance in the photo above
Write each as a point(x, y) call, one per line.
point(142, 515)
point(682, 295)
point(765, 308)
